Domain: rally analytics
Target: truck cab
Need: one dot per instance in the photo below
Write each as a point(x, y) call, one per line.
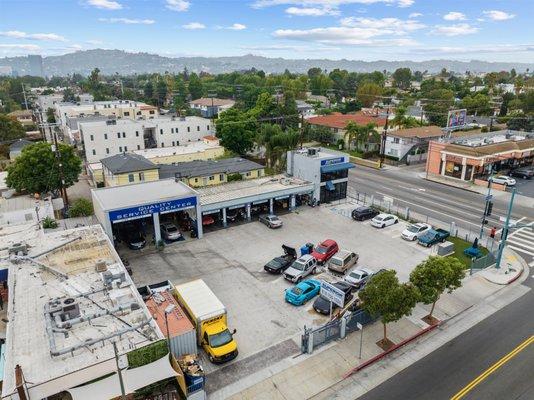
point(218, 342)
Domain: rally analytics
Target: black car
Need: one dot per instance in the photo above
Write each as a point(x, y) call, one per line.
point(523, 172)
point(279, 264)
point(363, 213)
point(135, 240)
point(322, 305)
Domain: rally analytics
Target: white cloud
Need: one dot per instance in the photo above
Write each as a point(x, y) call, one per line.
point(489, 49)
point(105, 4)
point(311, 11)
point(194, 26)
point(389, 25)
point(327, 3)
point(415, 15)
point(342, 36)
point(94, 42)
point(454, 16)
point(455, 30)
point(496, 15)
point(406, 3)
point(127, 21)
point(237, 27)
point(178, 5)
point(27, 47)
point(34, 36)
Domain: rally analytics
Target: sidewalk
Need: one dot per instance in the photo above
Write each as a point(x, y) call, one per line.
point(319, 375)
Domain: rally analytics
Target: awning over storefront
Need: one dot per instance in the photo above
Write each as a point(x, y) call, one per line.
point(337, 167)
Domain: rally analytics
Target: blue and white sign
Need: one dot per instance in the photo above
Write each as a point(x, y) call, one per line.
point(332, 161)
point(332, 293)
point(148, 209)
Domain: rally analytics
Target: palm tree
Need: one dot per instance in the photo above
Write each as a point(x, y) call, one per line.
point(360, 134)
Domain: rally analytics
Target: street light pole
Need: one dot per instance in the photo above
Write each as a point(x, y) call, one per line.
point(488, 199)
point(169, 309)
point(504, 235)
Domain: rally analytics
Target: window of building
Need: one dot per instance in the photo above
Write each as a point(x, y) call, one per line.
point(176, 130)
point(107, 150)
point(178, 143)
point(221, 177)
point(396, 140)
point(106, 136)
point(123, 134)
point(162, 144)
point(138, 112)
point(208, 127)
point(141, 176)
point(198, 128)
point(151, 111)
point(173, 143)
point(94, 152)
point(196, 180)
point(125, 148)
point(120, 149)
point(118, 135)
point(138, 147)
point(131, 177)
point(212, 178)
point(137, 133)
point(161, 131)
point(188, 129)
point(332, 176)
point(248, 173)
point(126, 113)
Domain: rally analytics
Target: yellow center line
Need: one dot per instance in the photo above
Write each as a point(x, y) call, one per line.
point(493, 368)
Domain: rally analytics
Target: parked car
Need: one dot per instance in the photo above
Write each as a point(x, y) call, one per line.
point(280, 264)
point(303, 291)
point(363, 213)
point(325, 250)
point(134, 239)
point(433, 236)
point(322, 305)
point(523, 172)
point(383, 220)
point(342, 261)
point(301, 268)
point(207, 220)
point(414, 231)
point(357, 277)
point(233, 215)
point(271, 220)
point(503, 180)
point(170, 232)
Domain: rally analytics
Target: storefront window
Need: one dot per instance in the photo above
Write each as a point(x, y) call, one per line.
point(339, 192)
point(453, 169)
point(332, 176)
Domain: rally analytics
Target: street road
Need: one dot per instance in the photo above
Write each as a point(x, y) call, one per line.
point(440, 202)
point(493, 360)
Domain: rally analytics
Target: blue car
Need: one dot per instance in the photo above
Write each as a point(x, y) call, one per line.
point(303, 291)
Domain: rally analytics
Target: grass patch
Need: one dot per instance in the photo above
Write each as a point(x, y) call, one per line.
point(459, 246)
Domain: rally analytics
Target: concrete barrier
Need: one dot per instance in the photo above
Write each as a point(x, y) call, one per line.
point(365, 163)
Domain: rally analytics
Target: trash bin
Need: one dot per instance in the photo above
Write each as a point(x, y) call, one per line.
point(306, 249)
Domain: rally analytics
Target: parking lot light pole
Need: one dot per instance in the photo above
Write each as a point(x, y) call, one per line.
point(360, 327)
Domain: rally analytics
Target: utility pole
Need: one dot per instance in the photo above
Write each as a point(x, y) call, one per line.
point(119, 372)
point(491, 124)
point(383, 140)
point(486, 208)
point(504, 234)
point(62, 188)
point(301, 130)
point(25, 99)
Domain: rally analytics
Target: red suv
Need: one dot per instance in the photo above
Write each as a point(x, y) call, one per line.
point(325, 250)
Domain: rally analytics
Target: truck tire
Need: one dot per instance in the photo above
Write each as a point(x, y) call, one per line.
point(211, 358)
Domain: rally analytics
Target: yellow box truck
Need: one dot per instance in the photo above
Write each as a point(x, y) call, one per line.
point(208, 315)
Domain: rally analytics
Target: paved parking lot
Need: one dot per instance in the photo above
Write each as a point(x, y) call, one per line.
point(231, 262)
point(525, 187)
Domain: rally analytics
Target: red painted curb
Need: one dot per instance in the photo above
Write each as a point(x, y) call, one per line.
point(515, 278)
point(392, 349)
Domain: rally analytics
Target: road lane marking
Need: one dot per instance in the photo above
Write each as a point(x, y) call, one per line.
point(471, 385)
point(521, 250)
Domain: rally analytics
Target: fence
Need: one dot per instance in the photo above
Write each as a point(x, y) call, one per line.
point(483, 262)
point(333, 330)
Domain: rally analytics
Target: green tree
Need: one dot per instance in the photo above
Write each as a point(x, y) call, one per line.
point(148, 90)
point(236, 129)
point(435, 275)
point(36, 170)
point(386, 297)
point(437, 106)
point(313, 72)
point(477, 104)
point(368, 92)
point(196, 87)
point(50, 116)
point(360, 134)
point(161, 92)
point(402, 121)
point(10, 128)
point(402, 78)
point(320, 84)
point(81, 208)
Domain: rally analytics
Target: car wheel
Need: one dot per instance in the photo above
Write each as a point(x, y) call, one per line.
point(396, 221)
point(299, 279)
point(414, 239)
point(211, 358)
point(383, 225)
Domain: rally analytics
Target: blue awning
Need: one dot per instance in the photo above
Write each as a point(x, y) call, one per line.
point(330, 186)
point(337, 167)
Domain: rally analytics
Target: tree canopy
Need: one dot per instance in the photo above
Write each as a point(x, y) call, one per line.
point(10, 129)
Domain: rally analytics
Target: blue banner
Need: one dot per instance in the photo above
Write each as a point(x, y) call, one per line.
point(332, 161)
point(149, 209)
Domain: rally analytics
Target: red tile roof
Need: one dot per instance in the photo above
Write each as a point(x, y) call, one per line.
point(338, 120)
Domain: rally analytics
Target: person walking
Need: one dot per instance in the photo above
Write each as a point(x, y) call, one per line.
point(493, 231)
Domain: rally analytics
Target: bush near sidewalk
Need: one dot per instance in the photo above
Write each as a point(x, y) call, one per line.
point(81, 208)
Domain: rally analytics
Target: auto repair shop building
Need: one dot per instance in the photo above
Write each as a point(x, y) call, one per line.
point(116, 205)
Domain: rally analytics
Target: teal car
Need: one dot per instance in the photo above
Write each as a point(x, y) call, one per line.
point(303, 291)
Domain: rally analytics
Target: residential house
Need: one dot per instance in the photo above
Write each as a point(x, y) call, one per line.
point(411, 145)
point(305, 109)
point(16, 148)
point(25, 117)
point(127, 168)
point(213, 172)
point(210, 107)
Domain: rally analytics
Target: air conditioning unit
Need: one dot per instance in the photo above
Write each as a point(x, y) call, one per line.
point(312, 151)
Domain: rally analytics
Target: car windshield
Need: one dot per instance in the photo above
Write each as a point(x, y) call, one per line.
point(274, 263)
point(336, 261)
point(171, 229)
point(321, 249)
point(413, 229)
point(298, 265)
point(273, 218)
point(220, 339)
point(380, 217)
point(296, 290)
point(355, 275)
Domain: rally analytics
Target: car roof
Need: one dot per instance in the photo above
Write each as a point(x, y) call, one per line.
point(342, 253)
point(420, 224)
point(327, 242)
point(305, 257)
point(360, 270)
point(383, 215)
point(342, 285)
point(362, 208)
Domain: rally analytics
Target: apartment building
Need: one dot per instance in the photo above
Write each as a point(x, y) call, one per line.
point(102, 139)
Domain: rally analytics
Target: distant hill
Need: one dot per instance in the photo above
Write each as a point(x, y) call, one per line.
point(124, 63)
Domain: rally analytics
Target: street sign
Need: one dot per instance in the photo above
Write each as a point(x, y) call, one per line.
point(333, 294)
point(489, 197)
point(359, 326)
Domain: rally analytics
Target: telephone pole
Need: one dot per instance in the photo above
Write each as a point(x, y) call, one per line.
point(25, 99)
point(62, 188)
point(119, 372)
point(383, 140)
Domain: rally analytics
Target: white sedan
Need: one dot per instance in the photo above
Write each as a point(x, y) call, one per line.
point(503, 180)
point(414, 231)
point(358, 277)
point(383, 220)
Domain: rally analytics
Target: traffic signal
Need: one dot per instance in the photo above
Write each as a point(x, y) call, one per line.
point(489, 208)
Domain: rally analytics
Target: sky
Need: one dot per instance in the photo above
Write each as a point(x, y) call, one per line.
point(492, 30)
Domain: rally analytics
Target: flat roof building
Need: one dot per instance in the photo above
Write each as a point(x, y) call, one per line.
point(211, 106)
point(71, 301)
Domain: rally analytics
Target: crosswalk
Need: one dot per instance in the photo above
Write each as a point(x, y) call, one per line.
point(522, 241)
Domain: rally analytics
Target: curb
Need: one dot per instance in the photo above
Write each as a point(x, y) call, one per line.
point(392, 349)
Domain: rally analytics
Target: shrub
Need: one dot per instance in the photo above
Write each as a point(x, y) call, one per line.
point(235, 177)
point(81, 208)
point(49, 223)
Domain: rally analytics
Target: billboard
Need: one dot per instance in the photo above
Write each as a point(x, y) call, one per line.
point(457, 118)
